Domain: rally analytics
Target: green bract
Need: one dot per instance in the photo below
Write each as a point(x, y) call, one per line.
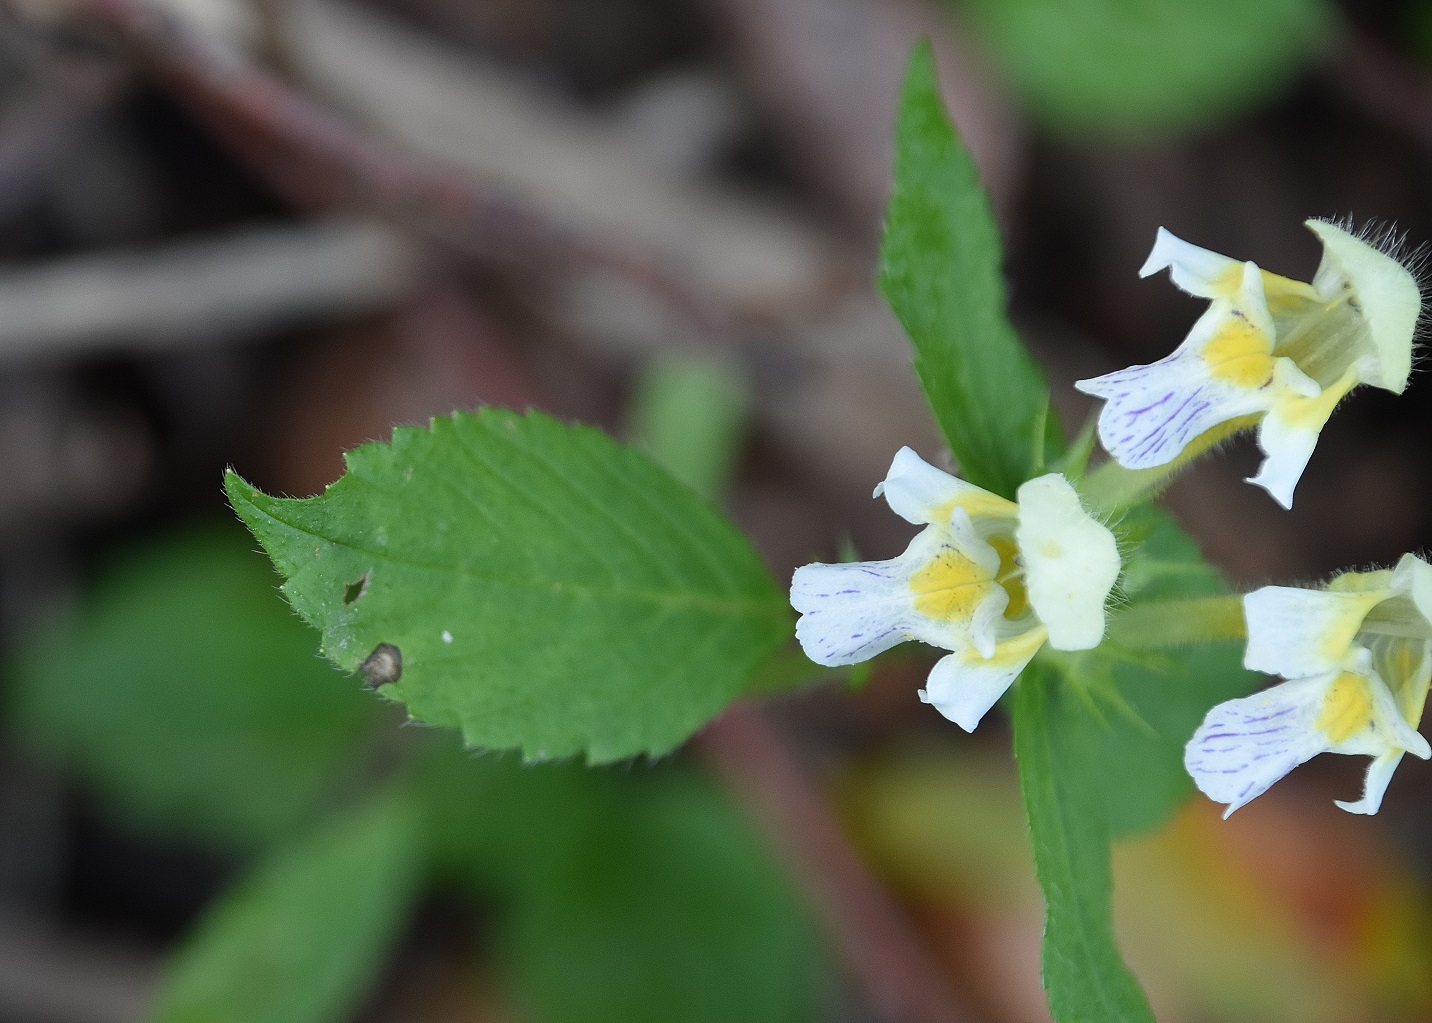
point(1158, 698)
point(535, 585)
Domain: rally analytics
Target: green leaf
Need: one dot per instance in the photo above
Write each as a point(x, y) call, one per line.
point(302, 939)
point(631, 895)
point(1164, 562)
point(1144, 756)
point(691, 415)
point(1064, 799)
point(1112, 65)
point(547, 589)
point(188, 694)
point(535, 819)
point(941, 273)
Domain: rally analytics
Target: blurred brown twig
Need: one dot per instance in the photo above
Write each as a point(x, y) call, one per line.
point(318, 161)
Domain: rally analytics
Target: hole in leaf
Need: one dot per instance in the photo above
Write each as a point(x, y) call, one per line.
point(355, 589)
point(382, 666)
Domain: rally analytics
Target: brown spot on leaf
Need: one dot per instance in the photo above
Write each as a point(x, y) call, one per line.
point(382, 666)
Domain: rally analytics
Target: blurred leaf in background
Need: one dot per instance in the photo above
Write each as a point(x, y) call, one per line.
point(691, 415)
point(628, 896)
point(637, 894)
point(1135, 65)
point(303, 939)
point(184, 692)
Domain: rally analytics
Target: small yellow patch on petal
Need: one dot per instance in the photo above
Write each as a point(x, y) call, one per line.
point(1338, 634)
point(1363, 582)
point(1010, 576)
point(1312, 413)
point(950, 587)
point(1402, 672)
point(1240, 354)
point(1347, 709)
point(1287, 297)
point(1229, 283)
point(1018, 649)
point(980, 504)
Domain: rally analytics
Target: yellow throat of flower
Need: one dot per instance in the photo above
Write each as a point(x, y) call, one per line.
point(1347, 709)
point(952, 586)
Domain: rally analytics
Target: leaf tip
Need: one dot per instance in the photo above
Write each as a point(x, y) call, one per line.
point(243, 495)
point(920, 68)
point(234, 483)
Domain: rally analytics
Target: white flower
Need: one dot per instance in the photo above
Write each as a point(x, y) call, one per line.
point(1268, 348)
point(988, 579)
point(1358, 657)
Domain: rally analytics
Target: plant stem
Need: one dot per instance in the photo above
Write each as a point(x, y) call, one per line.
point(1163, 624)
point(1110, 488)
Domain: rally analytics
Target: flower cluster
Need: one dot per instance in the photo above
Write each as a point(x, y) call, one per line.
point(1269, 350)
point(993, 581)
point(1358, 659)
point(988, 579)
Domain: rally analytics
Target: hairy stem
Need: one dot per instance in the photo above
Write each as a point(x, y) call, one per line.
point(1110, 488)
point(1163, 624)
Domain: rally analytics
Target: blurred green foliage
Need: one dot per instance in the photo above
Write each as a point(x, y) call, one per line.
point(628, 895)
point(301, 941)
point(662, 910)
point(182, 689)
point(1135, 65)
point(691, 415)
point(189, 697)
